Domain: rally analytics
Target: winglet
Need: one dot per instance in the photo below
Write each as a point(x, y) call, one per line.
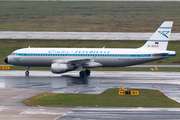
point(159, 40)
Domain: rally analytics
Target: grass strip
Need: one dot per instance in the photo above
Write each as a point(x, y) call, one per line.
point(95, 16)
point(109, 98)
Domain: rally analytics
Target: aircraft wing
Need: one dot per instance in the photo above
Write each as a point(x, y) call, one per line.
point(67, 61)
point(78, 62)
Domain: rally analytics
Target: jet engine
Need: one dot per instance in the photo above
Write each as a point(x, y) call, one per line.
point(60, 68)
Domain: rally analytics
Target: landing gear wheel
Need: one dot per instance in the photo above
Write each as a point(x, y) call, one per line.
point(27, 73)
point(82, 73)
point(87, 72)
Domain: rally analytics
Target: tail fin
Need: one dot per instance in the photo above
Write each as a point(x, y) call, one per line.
point(159, 40)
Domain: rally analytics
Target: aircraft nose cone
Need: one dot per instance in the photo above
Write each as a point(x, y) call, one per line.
point(6, 60)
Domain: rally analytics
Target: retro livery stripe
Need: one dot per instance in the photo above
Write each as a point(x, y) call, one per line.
point(158, 40)
point(86, 55)
point(165, 27)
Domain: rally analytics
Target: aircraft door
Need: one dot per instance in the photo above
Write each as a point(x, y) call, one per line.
point(25, 56)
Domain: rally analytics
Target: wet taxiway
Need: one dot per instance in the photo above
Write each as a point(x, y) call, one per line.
point(166, 82)
point(45, 81)
point(122, 113)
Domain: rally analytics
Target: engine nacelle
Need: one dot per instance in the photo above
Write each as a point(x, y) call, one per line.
point(60, 68)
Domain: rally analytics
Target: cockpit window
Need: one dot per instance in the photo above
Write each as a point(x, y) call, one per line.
point(14, 54)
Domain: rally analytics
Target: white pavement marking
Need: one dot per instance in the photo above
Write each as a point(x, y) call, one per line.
point(36, 111)
point(2, 108)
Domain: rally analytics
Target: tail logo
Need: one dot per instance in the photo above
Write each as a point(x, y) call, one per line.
point(164, 33)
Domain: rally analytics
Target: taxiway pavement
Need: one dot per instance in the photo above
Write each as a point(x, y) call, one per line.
point(16, 87)
point(81, 35)
point(122, 113)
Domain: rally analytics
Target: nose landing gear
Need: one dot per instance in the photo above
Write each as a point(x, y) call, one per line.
point(27, 71)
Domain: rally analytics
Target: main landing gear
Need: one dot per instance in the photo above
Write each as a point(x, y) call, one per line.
point(84, 73)
point(27, 71)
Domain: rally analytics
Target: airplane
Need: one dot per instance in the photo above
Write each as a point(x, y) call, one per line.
point(62, 60)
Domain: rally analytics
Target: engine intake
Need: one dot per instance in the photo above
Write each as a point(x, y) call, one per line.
point(60, 68)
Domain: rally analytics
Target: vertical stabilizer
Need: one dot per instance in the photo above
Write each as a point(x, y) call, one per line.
point(159, 40)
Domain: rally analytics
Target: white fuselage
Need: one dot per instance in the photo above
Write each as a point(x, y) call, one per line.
point(107, 57)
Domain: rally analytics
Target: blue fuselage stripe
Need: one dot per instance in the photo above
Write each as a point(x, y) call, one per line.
point(86, 55)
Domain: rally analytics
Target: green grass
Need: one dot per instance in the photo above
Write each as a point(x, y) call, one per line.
point(87, 16)
point(8, 46)
point(109, 98)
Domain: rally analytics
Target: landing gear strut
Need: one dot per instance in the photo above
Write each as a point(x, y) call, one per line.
point(27, 71)
point(84, 73)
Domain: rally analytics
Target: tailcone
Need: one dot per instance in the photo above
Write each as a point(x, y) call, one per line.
point(170, 54)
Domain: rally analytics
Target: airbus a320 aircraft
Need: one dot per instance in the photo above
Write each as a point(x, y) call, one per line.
point(62, 60)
